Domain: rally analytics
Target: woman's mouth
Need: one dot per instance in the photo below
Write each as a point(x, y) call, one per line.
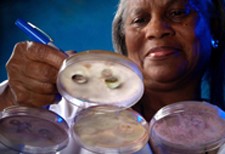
point(160, 53)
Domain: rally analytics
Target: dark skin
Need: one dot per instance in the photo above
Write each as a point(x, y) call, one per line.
point(169, 43)
point(32, 71)
point(165, 40)
point(171, 74)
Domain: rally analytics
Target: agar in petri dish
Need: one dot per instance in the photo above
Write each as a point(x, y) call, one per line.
point(31, 130)
point(100, 78)
point(188, 127)
point(102, 130)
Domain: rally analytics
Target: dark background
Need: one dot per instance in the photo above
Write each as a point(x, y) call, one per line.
point(73, 24)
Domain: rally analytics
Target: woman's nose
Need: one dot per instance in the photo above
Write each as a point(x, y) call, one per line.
point(158, 28)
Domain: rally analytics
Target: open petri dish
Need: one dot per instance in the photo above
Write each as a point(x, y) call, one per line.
point(104, 85)
point(123, 131)
point(99, 77)
point(32, 130)
point(188, 127)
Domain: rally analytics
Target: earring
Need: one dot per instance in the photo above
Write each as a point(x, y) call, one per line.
point(215, 43)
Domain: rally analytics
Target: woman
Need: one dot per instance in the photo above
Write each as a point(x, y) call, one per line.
point(170, 40)
point(171, 43)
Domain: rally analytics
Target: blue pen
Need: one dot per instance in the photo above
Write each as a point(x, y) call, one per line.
point(35, 33)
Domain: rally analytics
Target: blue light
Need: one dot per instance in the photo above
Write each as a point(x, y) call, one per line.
point(139, 119)
point(221, 114)
point(215, 43)
point(59, 119)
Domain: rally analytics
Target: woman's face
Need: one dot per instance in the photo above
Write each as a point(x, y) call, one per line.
point(167, 39)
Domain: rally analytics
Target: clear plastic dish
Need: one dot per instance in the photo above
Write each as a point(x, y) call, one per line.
point(188, 127)
point(123, 131)
point(99, 77)
point(32, 130)
point(103, 85)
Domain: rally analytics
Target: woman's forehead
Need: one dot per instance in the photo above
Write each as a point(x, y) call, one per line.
point(132, 5)
point(155, 2)
point(146, 3)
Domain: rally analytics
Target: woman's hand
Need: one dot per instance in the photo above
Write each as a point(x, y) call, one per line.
point(32, 71)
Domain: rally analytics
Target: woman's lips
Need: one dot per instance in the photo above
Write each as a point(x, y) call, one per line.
point(162, 52)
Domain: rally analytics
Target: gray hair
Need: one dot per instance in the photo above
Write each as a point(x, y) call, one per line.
point(118, 36)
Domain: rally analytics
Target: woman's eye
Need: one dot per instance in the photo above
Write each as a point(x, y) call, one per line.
point(178, 14)
point(140, 20)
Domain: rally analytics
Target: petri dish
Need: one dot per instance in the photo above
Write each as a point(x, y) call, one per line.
point(104, 85)
point(99, 77)
point(32, 130)
point(123, 131)
point(188, 127)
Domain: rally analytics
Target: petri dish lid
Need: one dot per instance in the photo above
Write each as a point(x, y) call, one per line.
point(123, 131)
point(99, 77)
point(190, 126)
point(32, 130)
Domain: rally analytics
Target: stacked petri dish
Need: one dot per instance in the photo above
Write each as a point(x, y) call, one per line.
point(189, 127)
point(104, 85)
